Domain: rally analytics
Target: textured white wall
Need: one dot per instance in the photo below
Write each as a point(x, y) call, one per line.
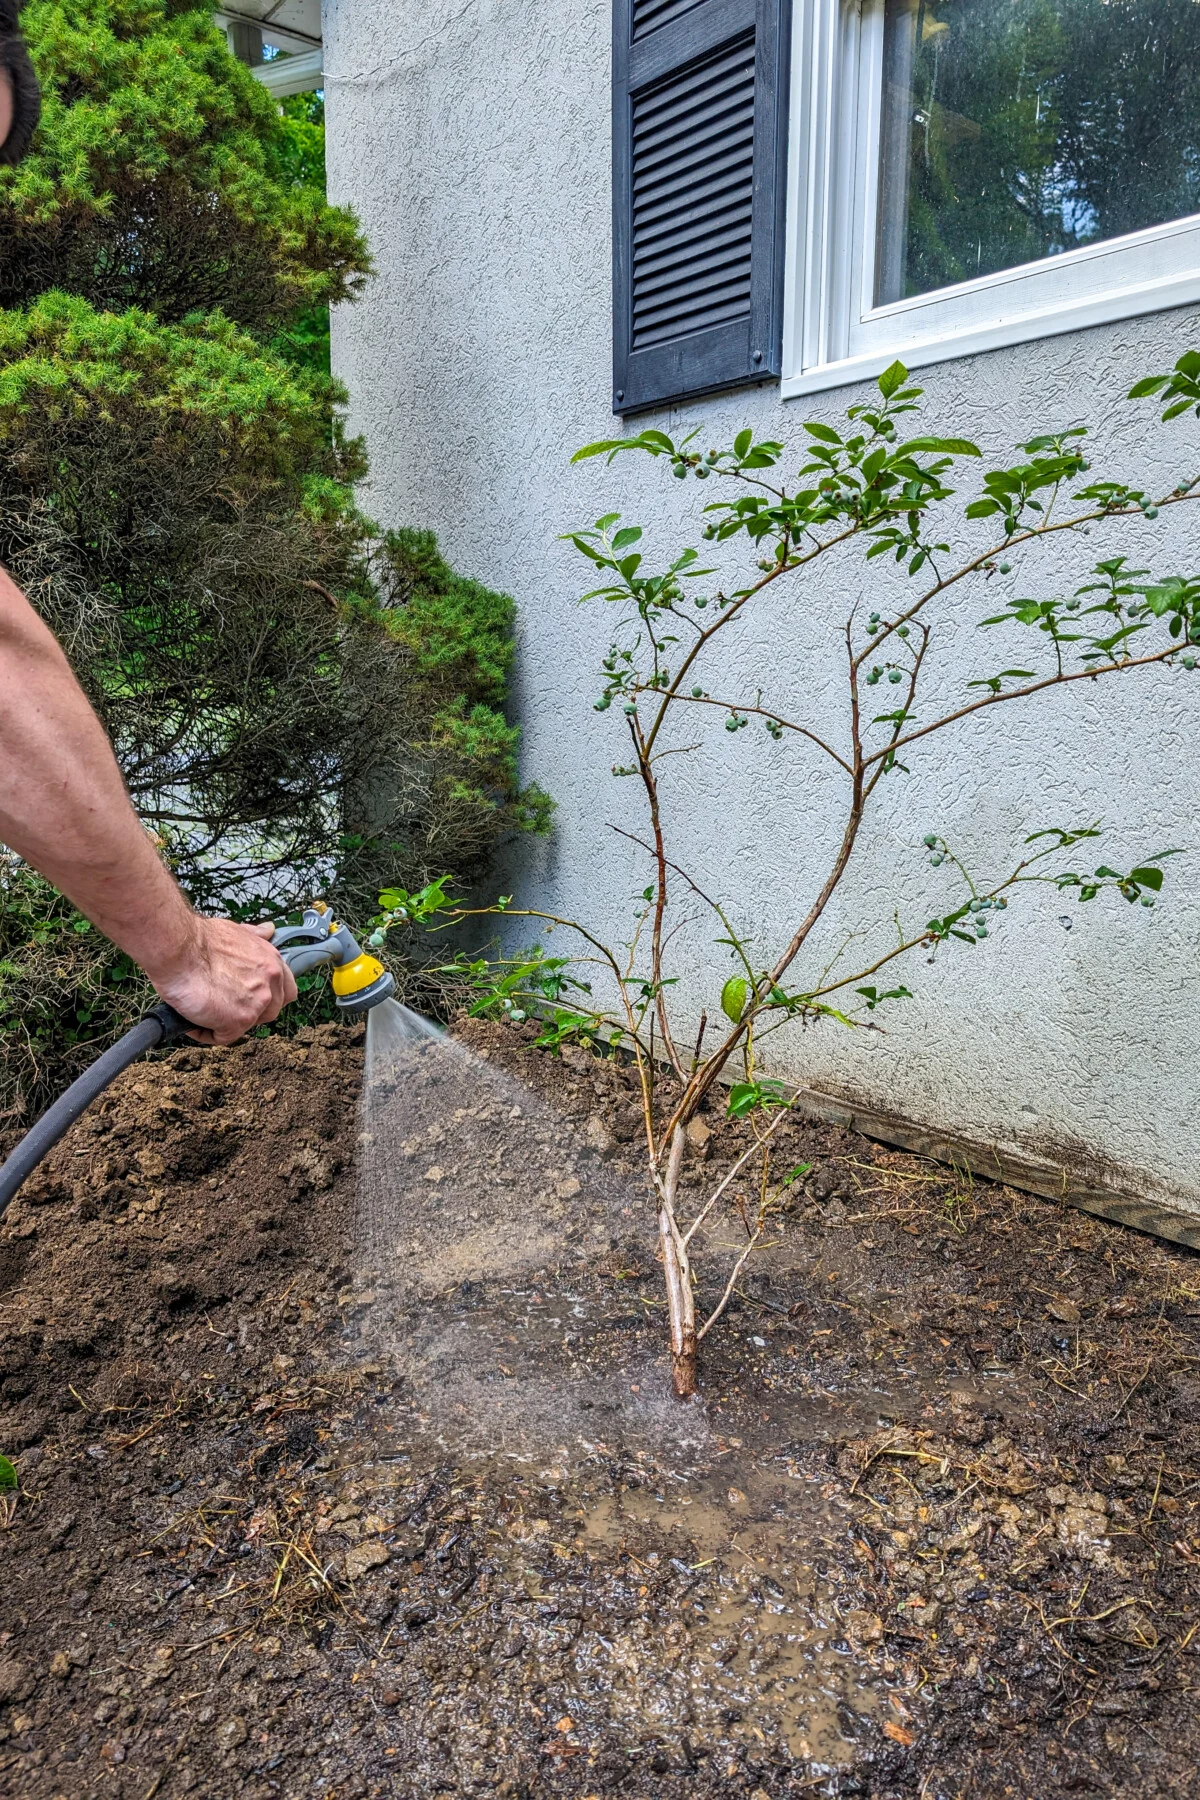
point(473, 138)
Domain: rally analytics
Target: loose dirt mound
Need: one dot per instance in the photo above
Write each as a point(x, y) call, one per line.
point(930, 1531)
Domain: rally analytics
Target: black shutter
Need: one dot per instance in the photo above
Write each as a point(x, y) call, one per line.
point(700, 150)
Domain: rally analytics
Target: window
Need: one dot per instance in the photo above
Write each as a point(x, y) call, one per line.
point(700, 149)
point(970, 173)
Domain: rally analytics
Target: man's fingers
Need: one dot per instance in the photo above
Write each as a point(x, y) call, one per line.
point(239, 981)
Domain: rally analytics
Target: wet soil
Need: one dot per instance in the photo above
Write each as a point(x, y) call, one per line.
point(318, 1500)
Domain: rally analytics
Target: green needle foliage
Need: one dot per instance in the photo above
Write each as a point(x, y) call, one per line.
point(299, 702)
point(162, 176)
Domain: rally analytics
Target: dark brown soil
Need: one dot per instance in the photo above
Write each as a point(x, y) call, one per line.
point(930, 1530)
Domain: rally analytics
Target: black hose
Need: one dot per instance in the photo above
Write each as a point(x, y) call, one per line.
point(158, 1027)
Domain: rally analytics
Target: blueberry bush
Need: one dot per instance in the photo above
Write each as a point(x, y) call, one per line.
point(876, 489)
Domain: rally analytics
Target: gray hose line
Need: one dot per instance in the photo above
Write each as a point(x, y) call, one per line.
point(158, 1027)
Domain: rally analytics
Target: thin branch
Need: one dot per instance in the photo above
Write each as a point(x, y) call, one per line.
point(650, 783)
point(1020, 693)
point(1030, 535)
point(764, 712)
point(738, 1266)
point(735, 940)
point(784, 1112)
point(730, 612)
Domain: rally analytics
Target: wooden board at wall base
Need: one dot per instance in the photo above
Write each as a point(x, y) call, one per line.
point(1032, 1175)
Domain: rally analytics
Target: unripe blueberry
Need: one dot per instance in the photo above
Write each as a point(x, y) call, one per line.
point(895, 675)
point(1189, 662)
point(937, 861)
point(1147, 901)
point(1151, 512)
point(1004, 568)
point(630, 707)
point(731, 724)
point(930, 840)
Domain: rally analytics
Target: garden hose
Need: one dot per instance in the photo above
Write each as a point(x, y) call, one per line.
point(162, 1026)
point(359, 982)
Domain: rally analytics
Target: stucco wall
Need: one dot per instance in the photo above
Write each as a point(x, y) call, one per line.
point(473, 137)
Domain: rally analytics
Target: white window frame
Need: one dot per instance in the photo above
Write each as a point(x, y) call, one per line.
point(834, 334)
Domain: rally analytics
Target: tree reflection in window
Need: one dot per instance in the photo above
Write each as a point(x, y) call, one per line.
point(1015, 130)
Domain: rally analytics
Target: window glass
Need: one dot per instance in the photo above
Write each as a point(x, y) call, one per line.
point(1014, 130)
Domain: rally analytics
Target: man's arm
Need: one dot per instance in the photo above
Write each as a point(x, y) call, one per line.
point(64, 808)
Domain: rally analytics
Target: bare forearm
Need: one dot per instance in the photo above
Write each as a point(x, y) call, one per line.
point(63, 805)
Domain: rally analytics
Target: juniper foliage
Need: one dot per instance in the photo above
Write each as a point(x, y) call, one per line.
point(298, 700)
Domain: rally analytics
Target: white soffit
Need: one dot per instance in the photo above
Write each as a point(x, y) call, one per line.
point(292, 74)
point(292, 25)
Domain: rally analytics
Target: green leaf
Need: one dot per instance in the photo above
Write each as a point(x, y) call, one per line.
point(823, 432)
point(742, 442)
point(8, 1475)
point(733, 997)
point(1147, 877)
point(654, 443)
point(874, 998)
point(949, 446)
point(892, 378)
point(746, 1097)
point(605, 447)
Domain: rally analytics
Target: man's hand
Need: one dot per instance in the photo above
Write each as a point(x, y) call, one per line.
point(225, 979)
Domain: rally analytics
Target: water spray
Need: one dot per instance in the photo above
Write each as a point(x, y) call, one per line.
point(359, 983)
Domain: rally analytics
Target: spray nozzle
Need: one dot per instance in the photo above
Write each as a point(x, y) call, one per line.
point(359, 980)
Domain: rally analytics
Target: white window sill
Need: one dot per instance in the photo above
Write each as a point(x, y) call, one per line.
point(1020, 326)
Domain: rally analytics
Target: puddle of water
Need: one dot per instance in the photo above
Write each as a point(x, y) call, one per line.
point(765, 1634)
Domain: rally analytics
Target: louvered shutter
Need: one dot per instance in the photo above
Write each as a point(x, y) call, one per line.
point(700, 145)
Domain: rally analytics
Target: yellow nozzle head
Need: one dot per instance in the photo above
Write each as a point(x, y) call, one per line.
point(361, 982)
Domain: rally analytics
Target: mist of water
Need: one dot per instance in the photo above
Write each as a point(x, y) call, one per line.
point(464, 1174)
point(482, 1214)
